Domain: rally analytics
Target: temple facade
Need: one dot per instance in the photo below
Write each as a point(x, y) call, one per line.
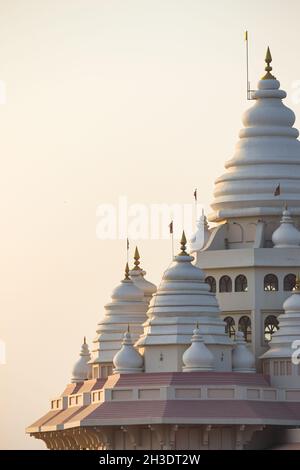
point(209, 359)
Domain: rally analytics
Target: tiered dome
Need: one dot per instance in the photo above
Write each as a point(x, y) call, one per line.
point(137, 275)
point(282, 340)
point(243, 359)
point(183, 299)
point(127, 360)
point(81, 370)
point(267, 155)
point(286, 235)
point(201, 237)
point(197, 357)
point(128, 307)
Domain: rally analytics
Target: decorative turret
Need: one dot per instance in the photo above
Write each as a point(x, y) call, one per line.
point(278, 360)
point(137, 274)
point(81, 370)
point(286, 235)
point(127, 360)
point(243, 359)
point(197, 357)
point(182, 299)
point(128, 307)
point(267, 155)
point(200, 238)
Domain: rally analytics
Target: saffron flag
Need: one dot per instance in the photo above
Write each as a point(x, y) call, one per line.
point(195, 194)
point(171, 227)
point(277, 191)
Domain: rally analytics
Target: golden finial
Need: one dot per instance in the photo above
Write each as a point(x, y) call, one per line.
point(197, 325)
point(126, 278)
point(128, 329)
point(183, 245)
point(84, 340)
point(268, 67)
point(136, 259)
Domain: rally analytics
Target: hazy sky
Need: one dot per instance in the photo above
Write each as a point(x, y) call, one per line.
point(141, 98)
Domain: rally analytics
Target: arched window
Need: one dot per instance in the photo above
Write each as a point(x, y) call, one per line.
point(245, 327)
point(230, 326)
point(225, 284)
point(241, 283)
point(212, 283)
point(270, 283)
point(271, 325)
point(289, 282)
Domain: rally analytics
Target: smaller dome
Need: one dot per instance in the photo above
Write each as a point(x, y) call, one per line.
point(201, 236)
point(128, 360)
point(81, 370)
point(243, 359)
point(197, 357)
point(127, 290)
point(286, 235)
point(292, 303)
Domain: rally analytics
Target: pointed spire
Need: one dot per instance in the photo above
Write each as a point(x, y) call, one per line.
point(126, 278)
point(84, 340)
point(136, 259)
point(268, 68)
point(183, 245)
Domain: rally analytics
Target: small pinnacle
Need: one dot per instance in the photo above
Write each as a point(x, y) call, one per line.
point(183, 245)
point(126, 273)
point(136, 259)
point(84, 340)
point(268, 68)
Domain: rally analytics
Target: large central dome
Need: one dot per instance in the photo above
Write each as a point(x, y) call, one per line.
point(267, 157)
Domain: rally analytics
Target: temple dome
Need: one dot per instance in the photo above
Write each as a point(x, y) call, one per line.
point(127, 307)
point(243, 359)
point(183, 298)
point(201, 236)
point(286, 235)
point(267, 155)
point(197, 357)
point(127, 360)
point(81, 370)
point(289, 328)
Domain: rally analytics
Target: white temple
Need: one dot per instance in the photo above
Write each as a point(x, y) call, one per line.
point(209, 360)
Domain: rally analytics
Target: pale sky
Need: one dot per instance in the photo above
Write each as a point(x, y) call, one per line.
point(141, 98)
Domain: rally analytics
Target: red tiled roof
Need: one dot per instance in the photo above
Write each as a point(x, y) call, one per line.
point(191, 378)
point(175, 410)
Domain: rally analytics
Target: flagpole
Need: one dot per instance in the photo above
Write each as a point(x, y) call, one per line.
point(172, 237)
point(127, 249)
point(247, 64)
point(196, 205)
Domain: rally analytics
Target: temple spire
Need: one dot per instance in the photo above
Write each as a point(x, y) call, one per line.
point(126, 278)
point(268, 68)
point(183, 245)
point(136, 259)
